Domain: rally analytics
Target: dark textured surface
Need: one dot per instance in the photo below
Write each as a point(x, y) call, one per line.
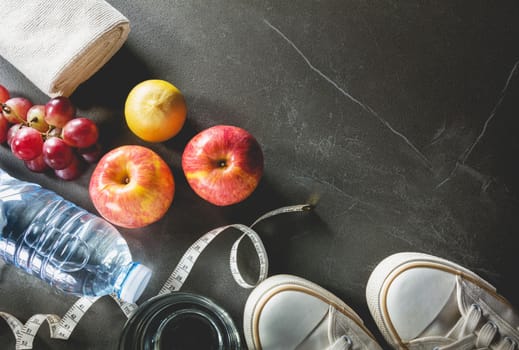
point(401, 117)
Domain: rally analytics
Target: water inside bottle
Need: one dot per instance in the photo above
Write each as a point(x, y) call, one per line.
point(65, 251)
point(63, 244)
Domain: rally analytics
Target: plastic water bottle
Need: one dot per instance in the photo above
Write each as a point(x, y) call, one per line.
point(64, 245)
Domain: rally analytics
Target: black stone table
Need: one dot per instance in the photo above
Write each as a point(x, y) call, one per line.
point(399, 118)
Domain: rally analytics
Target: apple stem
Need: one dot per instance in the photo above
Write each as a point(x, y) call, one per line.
point(222, 163)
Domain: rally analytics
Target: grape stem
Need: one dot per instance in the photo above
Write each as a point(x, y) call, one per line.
point(8, 110)
point(46, 134)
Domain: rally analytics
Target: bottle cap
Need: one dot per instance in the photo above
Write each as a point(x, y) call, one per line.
point(135, 282)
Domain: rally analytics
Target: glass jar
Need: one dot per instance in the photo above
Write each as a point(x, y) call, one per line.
point(179, 321)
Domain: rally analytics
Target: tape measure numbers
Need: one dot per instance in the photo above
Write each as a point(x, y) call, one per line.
point(62, 327)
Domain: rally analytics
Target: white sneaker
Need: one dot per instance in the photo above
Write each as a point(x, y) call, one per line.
point(423, 302)
point(287, 312)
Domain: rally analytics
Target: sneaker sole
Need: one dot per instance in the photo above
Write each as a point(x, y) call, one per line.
point(385, 273)
point(279, 283)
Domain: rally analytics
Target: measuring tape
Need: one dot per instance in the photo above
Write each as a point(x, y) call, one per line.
point(62, 327)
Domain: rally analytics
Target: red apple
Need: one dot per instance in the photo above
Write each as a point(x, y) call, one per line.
point(223, 164)
point(132, 186)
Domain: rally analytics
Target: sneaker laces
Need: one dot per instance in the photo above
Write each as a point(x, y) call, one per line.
point(343, 343)
point(472, 338)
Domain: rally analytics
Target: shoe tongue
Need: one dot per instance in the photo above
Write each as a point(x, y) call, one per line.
point(291, 318)
point(318, 338)
point(417, 297)
point(446, 319)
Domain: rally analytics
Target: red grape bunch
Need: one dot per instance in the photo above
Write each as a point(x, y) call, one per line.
point(49, 136)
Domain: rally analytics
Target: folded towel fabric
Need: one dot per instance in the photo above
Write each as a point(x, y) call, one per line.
point(59, 44)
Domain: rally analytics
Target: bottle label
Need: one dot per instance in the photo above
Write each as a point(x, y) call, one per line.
point(62, 327)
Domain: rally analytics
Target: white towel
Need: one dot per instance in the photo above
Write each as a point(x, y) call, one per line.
point(59, 44)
